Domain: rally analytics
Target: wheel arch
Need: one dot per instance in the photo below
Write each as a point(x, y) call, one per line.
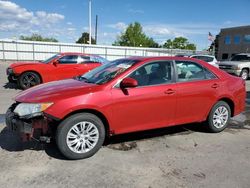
point(95, 112)
point(229, 102)
point(36, 72)
point(247, 68)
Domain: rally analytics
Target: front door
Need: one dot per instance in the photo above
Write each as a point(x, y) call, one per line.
point(151, 104)
point(66, 67)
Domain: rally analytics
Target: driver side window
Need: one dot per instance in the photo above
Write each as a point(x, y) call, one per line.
point(155, 73)
point(68, 59)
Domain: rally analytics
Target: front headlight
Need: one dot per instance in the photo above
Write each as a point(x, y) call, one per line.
point(235, 67)
point(31, 109)
point(9, 71)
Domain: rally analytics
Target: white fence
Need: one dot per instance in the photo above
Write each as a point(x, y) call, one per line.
point(31, 51)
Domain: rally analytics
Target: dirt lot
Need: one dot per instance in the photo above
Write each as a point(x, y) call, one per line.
point(183, 156)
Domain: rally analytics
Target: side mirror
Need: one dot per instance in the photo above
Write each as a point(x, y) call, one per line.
point(55, 62)
point(128, 83)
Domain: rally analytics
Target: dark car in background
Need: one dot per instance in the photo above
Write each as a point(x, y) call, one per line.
point(58, 67)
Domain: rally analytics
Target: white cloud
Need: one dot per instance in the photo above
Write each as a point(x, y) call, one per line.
point(15, 18)
point(160, 32)
point(48, 17)
point(228, 22)
point(136, 11)
point(71, 29)
point(119, 26)
point(182, 29)
point(156, 30)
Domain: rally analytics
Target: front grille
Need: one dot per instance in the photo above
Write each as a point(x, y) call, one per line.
point(225, 66)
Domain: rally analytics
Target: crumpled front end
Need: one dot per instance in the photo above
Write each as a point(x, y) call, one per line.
point(38, 128)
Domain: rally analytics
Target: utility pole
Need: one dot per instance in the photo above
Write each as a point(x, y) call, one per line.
point(90, 22)
point(96, 23)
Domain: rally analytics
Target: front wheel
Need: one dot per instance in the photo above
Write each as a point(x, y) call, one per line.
point(28, 79)
point(244, 74)
point(218, 117)
point(80, 136)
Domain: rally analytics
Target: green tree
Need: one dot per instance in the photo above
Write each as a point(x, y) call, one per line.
point(134, 36)
point(37, 37)
point(84, 39)
point(179, 43)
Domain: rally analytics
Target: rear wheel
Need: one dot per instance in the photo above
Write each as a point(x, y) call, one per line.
point(218, 117)
point(244, 74)
point(80, 136)
point(28, 79)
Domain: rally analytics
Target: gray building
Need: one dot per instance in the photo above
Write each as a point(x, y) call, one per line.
point(232, 41)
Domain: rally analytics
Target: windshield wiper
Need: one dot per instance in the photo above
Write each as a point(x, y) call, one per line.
point(82, 78)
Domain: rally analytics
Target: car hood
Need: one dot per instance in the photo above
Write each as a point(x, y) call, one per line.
point(231, 62)
point(18, 64)
point(53, 91)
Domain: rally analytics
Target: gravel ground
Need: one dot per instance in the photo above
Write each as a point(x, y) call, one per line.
point(184, 156)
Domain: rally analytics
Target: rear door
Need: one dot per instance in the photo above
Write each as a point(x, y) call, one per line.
point(86, 63)
point(196, 91)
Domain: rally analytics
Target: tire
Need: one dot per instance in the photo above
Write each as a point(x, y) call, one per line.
point(83, 145)
point(244, 74)
point(217, 124)
point(28, 79)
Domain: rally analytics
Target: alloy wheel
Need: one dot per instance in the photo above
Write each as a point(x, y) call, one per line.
point(82, 137)
point(220, 117)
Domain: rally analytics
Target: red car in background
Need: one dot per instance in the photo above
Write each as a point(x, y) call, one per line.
point(58, 67)
point(123, 96)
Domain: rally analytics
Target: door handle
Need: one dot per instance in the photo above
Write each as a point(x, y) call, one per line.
point(169, 92)
point(215, 86)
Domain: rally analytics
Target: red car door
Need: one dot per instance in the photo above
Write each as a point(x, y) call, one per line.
point(66, 67)
point(151, 104)
point(196, 92)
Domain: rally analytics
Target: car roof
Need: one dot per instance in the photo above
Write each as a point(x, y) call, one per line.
point(248, 54)
point(202, 55)
point(159, 58)
point(78, 53)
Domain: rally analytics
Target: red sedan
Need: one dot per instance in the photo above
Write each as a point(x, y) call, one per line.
point(126, 95)
point(58, 67)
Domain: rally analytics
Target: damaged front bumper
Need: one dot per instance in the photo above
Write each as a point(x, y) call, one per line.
point(12, 77)
point(37, 128)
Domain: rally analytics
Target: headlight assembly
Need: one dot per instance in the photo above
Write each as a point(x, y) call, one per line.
point(9, 71)
point(31, 109)
point(235, 67)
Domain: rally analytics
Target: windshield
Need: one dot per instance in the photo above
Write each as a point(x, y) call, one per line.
point(51, 58)
point(240, 58)
point(107, 72)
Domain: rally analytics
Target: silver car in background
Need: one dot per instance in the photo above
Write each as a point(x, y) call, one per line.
point(207, 58)
point(238, 65)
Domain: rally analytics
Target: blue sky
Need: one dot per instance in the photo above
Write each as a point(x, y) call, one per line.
point(161, 19)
